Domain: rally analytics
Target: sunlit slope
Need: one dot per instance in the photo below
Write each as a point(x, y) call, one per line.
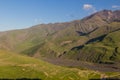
point(16, 66)
point(105, 51)
point(55, 40)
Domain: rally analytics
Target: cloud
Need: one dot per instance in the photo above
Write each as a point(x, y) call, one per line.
point(89, 7)
point(116, 6)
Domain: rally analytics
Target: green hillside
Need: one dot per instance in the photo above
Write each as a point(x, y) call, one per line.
point(14, 66)
point(105, 51)
point(94, 38)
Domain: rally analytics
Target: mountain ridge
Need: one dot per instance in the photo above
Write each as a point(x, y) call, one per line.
point(58, 39)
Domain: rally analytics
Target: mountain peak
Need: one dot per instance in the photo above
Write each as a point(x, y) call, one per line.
point(106, 15)
point(109, 15)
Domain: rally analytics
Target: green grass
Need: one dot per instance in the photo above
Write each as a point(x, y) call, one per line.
point(106, 51)
point(16, 66)
point(54, 36)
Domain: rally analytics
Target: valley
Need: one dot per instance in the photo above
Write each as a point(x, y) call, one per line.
point(77, 50)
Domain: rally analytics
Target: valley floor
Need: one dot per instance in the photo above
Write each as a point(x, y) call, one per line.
point(85, 65)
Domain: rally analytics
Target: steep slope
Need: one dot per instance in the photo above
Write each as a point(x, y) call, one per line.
point(56, 40)
point(20, 40)
point(81, 32)
point(103, 49)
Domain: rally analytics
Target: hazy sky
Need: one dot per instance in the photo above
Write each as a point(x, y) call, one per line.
point(17, 14)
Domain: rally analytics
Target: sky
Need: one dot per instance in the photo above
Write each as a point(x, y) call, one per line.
point(19, 14)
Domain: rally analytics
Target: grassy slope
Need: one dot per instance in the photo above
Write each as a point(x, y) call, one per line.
point(107, 50)
point(67, 38)
point(49, 40)
point(55, 39)
point(16, 66)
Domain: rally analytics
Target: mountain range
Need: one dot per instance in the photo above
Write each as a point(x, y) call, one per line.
point(93, 39)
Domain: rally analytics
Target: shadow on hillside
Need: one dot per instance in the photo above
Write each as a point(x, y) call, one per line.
point(100, 38)
point(21, 79)
point(78, 47)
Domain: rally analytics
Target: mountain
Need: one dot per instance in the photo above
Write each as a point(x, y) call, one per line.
point(89, 39)
point(103, 44)
point(85, 49)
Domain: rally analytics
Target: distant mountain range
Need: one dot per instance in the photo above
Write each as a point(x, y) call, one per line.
point(94, 38)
